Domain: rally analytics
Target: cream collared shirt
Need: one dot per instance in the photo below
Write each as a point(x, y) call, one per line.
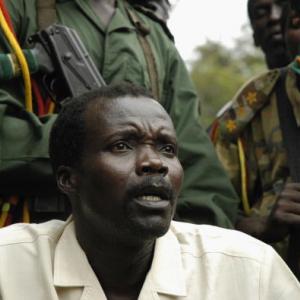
point(45, 262)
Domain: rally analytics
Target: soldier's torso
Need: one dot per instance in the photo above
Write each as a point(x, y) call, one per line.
point(114, 48)
point(253, 117)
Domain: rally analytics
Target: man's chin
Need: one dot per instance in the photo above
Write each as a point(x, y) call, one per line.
point(277, 59)
point(150, 227)
point(150, 219)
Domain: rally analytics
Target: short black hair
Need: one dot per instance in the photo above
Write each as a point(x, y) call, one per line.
point(67, 136)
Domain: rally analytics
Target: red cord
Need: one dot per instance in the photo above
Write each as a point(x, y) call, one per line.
point(39, 98)
point(35, 88)
point(7, 16)
point(214, 131)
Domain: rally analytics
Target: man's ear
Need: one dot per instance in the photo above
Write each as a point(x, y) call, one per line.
point(67, 180)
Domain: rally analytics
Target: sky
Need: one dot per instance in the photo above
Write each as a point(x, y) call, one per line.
point(192, 22)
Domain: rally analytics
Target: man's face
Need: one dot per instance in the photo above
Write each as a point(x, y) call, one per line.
point(129, 176)
point(293, 29)
point(266, 21)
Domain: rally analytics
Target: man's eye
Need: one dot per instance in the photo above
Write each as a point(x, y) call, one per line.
point(120, 147)
point(169, 149)
point(260, 12)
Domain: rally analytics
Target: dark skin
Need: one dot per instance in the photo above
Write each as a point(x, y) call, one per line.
point(286, 212)
point(123, 191)
point(266, 21)
point(293, 33)
point(104, 9)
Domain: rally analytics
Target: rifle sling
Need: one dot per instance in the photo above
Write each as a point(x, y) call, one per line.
point(289, 128)
point(291, 141)
point(142, 32)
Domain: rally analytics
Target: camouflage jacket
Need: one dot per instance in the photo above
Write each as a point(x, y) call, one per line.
point(253, 117)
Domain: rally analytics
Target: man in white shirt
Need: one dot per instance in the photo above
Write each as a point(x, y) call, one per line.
point(114, 152)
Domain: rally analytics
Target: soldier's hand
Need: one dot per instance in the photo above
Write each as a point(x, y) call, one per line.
point(287, 208)
point(285, 214)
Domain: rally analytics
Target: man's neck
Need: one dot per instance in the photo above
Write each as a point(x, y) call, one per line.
point(104, 9)
point(120, 269)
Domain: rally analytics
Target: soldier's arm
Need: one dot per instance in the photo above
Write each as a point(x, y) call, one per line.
point(254, 224)
point(234, 145)
point(23, 136)
point(271, 227)
point(228, 155)
point(207, 195)
point(24, 162)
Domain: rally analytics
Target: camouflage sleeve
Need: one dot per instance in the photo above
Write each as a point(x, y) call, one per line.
point(228, 155)
point(234, 126)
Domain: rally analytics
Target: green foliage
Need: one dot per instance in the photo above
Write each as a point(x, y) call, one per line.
point(218, 72)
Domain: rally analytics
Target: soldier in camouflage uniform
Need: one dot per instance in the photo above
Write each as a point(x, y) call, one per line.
point(249, 143)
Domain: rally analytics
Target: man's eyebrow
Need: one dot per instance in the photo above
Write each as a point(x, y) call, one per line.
point(125, 133)
point(164, 135)
point(167, 137)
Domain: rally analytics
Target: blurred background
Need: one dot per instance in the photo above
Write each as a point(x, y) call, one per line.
point(215, 40)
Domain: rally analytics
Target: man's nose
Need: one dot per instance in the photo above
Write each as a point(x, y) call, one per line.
point(276, 12)
point(149, 162)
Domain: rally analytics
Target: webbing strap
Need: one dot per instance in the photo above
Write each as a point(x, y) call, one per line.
point(148, 53)
point(46, 13)
point(291, 141)
point(289, 128)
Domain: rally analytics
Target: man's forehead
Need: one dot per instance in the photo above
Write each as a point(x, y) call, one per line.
point(124, 110)
point(127, 106)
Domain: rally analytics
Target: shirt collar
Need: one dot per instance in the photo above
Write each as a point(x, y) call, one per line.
point(167, 272)
point(72, 269)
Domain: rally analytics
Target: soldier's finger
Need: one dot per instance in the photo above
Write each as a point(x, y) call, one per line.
point(290, 195)
point(287, 206)
point(292, 186)
point(288, 219)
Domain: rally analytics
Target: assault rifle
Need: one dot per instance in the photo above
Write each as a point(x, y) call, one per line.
point(58, 54)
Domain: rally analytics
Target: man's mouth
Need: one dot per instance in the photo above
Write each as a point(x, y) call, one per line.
point(150, 198)
point(154, 196)
point(152, 202)
point(153, 193)
point(275, 34)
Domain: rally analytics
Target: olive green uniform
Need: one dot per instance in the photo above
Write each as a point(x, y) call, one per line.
point(207, 195)
point(253, 118)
